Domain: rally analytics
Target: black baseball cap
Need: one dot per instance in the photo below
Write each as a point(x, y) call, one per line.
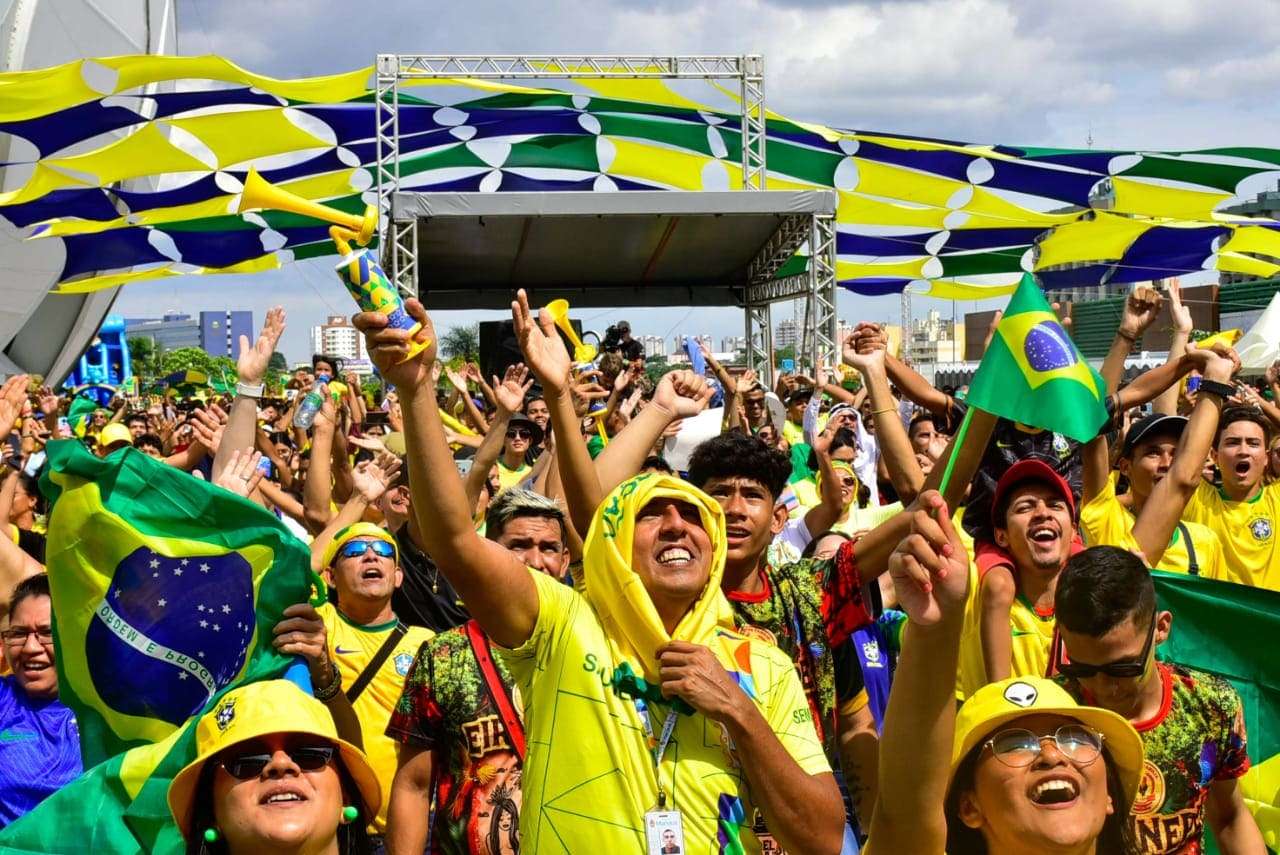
point(1156, 424)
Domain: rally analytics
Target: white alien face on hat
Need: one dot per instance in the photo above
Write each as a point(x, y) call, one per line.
point(1021, 694)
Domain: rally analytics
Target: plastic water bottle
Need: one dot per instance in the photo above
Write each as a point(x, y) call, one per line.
point(305, 415)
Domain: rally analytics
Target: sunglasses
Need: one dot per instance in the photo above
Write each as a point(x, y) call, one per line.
point(1125, 668)
point(247, 766)
point(356, 548)
point(519, 433)
point(1018, 748)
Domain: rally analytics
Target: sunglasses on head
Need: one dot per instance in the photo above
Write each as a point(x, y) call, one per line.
point(519, 433)
point(248, 763)
point(1125, 668)
point(355, 548)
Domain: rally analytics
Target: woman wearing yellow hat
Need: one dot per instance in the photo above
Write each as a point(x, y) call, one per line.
point(272, 776)
point(1021, 769)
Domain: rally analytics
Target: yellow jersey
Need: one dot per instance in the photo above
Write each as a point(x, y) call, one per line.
point(351, 647)
point(1247, 531)
point(792, 433)
point(1032, 640)
point(1106, 522)
point(589, 776)
point(508, 478)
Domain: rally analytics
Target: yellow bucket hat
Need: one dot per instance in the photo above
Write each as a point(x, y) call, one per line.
point(259, 709)
point(114, 432)
point(351, 532)
point(997, 704)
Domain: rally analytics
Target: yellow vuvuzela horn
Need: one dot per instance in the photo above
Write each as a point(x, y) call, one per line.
point(559, 312)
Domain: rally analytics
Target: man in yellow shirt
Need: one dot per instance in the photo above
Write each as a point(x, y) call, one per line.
point(1245, 511)
point(361, 637)
point(645, 710)
point(1146, 459)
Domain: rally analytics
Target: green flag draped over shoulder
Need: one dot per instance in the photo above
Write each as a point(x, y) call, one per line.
point(165, 591)
point(1032, 372)
point(1224, 628)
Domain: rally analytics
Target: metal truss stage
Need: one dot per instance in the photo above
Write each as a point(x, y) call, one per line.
point(599, 249)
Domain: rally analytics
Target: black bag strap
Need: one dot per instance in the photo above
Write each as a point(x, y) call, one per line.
point(1193, 567)
point(371, 670)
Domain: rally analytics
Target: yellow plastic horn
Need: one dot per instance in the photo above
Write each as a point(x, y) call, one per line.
point(559, 312)
point(260, 193)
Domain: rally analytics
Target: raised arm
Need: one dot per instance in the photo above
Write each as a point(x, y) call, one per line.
point(242, 422)
point(1140, 310)
point(931, 579)
point(508, 395)
point(679, 395)
point(493, 583)
point(1167, 401)
point(865, 351)
point(317, 488)
point(1162, 511)
point(915, 388)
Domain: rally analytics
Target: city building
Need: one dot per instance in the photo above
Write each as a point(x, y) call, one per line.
point(733, 344)
point(216, 333)
point(654, 346)
point(337, 337)
point(220, 332)
point(785, 335)
point(677, 342)
point(936, 339)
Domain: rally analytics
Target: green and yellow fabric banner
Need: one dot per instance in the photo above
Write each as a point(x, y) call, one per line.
point(1033, 374)
point(165, 591)
point(1223, 628)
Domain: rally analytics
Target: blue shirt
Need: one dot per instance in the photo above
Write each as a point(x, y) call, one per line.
point(39, 749)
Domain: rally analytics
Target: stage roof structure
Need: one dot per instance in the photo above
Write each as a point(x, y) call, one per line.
point(638, 248)
point(633, 247)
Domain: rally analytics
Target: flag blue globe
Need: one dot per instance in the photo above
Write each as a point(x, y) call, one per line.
point(1047, 347)
point(170, 632)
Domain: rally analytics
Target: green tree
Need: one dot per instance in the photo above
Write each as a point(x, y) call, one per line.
point(655, 367)
point(278, 362)
point(461, 343)
point(144, 357)
point(187, 359)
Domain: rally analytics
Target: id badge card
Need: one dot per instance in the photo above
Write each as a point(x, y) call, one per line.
point(663, 832)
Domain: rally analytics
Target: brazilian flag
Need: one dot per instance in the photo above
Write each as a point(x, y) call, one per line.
point(1223, 628)
point(165, 591)
point(1033, 374)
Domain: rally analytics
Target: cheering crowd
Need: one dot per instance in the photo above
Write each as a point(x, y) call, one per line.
point(858, 617)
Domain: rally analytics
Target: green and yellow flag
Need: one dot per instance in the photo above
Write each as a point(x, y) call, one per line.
point(165, 591)
point(1033, 374)
point(1218, 627)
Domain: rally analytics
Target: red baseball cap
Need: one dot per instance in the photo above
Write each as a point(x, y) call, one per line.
point(1030, 470)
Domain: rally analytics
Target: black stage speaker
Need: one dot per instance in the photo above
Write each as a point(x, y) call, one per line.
point(499, 348)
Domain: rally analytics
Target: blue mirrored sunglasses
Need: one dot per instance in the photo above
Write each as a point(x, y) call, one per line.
point(355, 548)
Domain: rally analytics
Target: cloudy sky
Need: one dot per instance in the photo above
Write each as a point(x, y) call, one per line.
point(1130, 74)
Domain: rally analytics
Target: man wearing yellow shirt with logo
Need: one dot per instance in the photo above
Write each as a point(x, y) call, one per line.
point(362, 638)
point(1244, 511)
point(1147, 458)
point(645, 710)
